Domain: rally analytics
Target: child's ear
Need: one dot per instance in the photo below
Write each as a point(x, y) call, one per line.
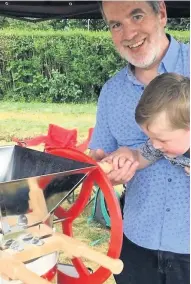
point(188, 131)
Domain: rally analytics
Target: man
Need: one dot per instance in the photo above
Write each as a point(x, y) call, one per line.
point(156, 212)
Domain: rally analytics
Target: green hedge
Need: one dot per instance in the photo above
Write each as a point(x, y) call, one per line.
point(56, 66)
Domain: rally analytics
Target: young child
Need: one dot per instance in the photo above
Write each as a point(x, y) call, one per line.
point(163, 113)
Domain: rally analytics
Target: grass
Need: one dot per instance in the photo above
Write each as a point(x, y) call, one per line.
point(26, 120)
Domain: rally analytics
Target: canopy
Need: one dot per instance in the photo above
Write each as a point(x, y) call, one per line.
point(41, 10)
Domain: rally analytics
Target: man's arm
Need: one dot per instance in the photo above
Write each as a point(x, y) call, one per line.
point(102, 141)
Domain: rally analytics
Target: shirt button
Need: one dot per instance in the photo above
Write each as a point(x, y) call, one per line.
point(169, 180)
point(167, 209)
point(142, 88)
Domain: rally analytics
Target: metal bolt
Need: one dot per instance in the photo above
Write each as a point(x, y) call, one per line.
point(22, 220)
point(16, 246)
point(7, 243)
point(27, 237)
point(36, 241)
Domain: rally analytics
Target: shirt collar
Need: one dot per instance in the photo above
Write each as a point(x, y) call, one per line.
point(170, 58)
point(131, 76)
point(168, 61)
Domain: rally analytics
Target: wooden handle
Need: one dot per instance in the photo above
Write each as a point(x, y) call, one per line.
point(13, 269)
point(114, 265)
point(79, 249)
point(72, 248)
point(29, 277)
point(106, 167)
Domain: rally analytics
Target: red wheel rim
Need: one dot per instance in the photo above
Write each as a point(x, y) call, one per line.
point(95, 176)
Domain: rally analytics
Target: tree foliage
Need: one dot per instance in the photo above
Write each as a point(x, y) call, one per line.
point(57, 66)
point(85, 24)
point(181, 24)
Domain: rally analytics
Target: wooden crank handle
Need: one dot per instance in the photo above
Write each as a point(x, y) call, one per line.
point(29, 277)
point(78, 249)
point(114, 265)
point(16, 270)
point(106, 167)
point(72, 248)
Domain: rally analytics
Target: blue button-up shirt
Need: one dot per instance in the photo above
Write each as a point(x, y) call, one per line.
point(156, 211)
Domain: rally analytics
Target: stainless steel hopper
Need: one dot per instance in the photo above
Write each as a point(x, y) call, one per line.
point(22, 205)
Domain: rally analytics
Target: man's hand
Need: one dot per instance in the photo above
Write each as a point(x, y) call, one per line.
point(124, 162)
point(98, 154)
point(124, 174)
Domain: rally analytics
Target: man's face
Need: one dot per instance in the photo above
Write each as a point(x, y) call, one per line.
point(172, 142)
point(136, 30)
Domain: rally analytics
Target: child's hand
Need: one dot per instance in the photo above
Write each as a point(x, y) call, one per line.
point(124, 162)
point(120, 157)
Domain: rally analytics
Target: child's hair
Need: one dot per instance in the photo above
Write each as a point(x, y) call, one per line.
point(168, 92)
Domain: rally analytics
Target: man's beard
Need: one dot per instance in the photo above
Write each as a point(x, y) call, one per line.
point(150, 56)
point(144, 62)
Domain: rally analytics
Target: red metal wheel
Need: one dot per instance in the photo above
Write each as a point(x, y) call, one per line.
point(95, 176)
